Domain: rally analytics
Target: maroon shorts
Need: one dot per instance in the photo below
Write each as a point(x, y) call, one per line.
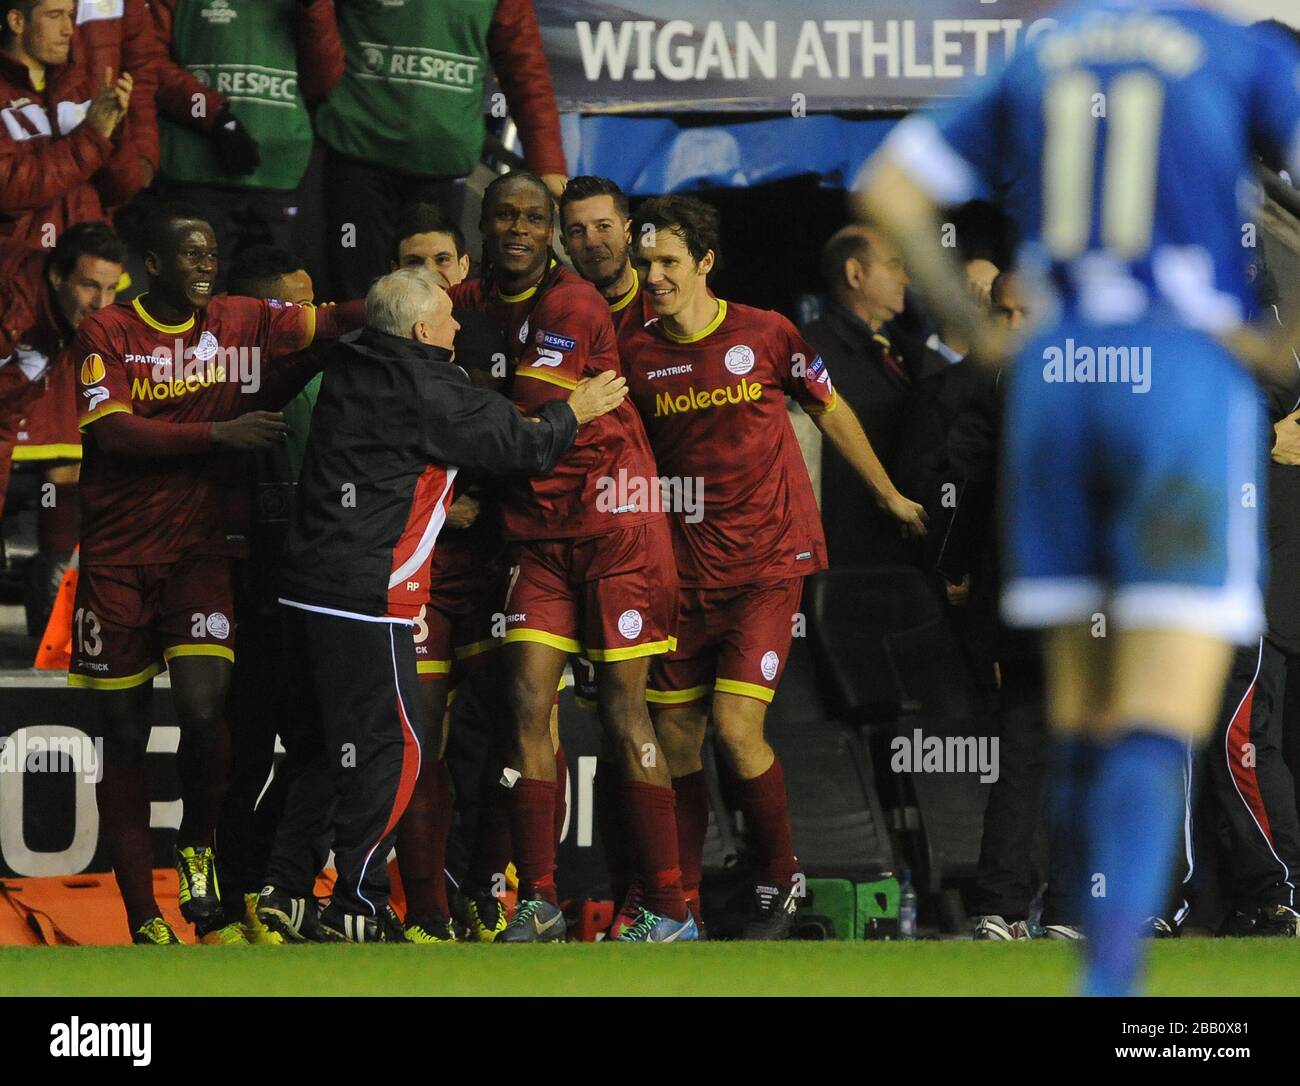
point(48, 429)
point(461, 621)
point(729, 640)
point(611, 597)
point(129, 620)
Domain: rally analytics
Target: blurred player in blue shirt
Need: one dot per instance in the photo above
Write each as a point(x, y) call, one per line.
point(1133, 471)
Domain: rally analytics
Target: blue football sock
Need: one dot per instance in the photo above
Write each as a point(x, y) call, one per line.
point(1133, 813)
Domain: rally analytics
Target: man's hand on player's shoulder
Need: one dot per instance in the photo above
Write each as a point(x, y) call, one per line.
point(596, 396)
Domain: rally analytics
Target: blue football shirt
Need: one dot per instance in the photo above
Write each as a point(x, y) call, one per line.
point(1127, 135)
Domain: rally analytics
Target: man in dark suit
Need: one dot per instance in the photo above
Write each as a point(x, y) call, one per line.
point(892, 385)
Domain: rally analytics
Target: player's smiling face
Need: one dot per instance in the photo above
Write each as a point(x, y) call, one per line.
point(89, 286)
point(673, 278)
point(517, 232)
point(596, 238)
point(186, 272)
point(435, 252)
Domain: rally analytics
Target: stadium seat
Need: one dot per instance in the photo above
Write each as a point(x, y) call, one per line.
point(851, 614)
point(835, 813)
point(887, 655)
point(799, 698)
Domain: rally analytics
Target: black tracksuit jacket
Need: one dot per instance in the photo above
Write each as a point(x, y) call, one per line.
point(395, 420)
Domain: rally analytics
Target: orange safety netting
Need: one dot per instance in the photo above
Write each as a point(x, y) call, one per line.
point(86, 910)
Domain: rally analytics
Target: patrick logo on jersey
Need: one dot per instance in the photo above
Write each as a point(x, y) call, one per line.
point(170, 371)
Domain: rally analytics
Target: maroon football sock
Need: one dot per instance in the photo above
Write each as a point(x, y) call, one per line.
point(422, 845)
point(692, 823)
point(652, 829)
point(561, 800)
point(123, 798)
point(532, 831)
point(612, 826)
point(767, 814)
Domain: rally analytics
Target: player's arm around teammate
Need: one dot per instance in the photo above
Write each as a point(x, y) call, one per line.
point(593, 574)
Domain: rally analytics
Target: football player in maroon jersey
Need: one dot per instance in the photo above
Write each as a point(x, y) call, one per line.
point(163, 383)
point(710, 378)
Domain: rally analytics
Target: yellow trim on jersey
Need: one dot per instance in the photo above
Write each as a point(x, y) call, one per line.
point(311, 326)
point(123, 283)
point(433, 667)
point(631, 652)
point(707, 330)
point(477, 648)
point(519, 297)
point(677, 697)
point(199, 650)
point(542, 375)
point(745, 690)
point(531, 290)
point(541, 637)
point(834, 402)
point(110, 408)
point(170, 329)
point(622, 303)
point(46, 452)
point(89, 682)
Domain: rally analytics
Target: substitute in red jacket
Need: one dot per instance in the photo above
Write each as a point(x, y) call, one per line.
point(44, 296)
point(17, 389)
point(58, 152)
point(119, 35)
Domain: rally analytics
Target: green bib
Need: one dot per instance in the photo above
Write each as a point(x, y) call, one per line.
point(412, 97)
point(244, 49)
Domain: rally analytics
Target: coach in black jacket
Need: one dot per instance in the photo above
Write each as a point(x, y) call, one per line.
point(395, 421)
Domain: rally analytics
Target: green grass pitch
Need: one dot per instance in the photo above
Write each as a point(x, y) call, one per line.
point(1187, 967)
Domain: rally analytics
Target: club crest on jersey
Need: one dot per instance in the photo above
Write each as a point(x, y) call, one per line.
point(218, 625)
point(92, 369)
point(739, 360)
point(207, 347)
point(768, 665)
point(523, 331)
point(554, 341)
point(629, 624)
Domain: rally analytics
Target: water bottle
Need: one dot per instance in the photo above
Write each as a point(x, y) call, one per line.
point(906, 907)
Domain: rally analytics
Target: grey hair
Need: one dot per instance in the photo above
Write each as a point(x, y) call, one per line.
point(397, 300)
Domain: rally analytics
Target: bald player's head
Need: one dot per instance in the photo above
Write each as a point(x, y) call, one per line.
point(863, 270)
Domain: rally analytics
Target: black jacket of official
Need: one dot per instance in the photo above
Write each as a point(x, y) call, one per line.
point(898, 401)
point(395, 421)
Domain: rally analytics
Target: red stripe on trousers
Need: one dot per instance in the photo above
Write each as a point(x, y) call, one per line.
point(410, 770)
point(1246, 776)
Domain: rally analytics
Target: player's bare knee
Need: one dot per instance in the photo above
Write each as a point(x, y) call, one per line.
point(741, 737)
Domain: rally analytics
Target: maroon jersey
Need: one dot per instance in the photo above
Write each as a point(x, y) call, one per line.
point(714, 406)
point(559, 333)
point(631, 311)
point(137, 511)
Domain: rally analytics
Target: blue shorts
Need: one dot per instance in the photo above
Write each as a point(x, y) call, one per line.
point(1139, 496)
